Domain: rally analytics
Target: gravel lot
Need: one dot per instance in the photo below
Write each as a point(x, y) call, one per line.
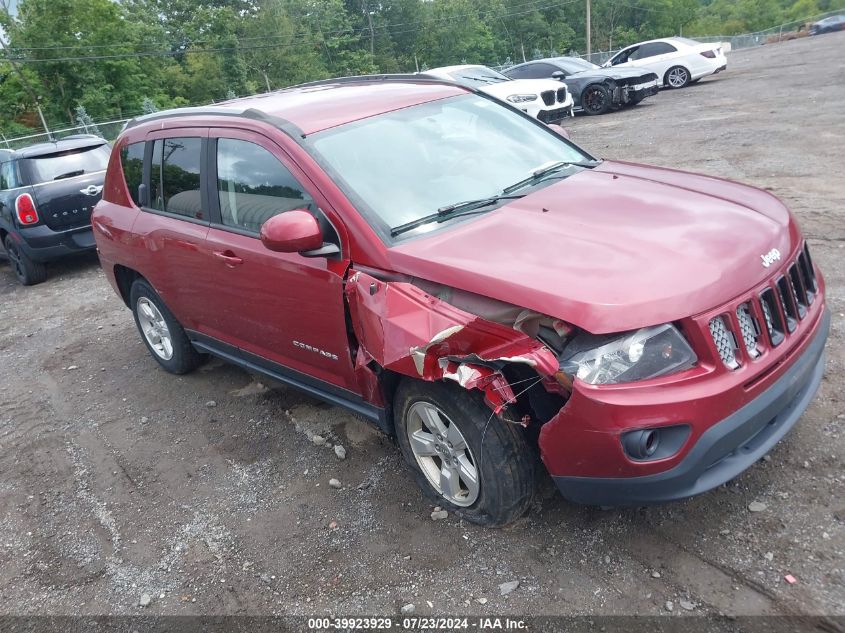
point(206, 493)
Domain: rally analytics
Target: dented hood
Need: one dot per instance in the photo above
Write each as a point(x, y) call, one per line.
point(614, 248)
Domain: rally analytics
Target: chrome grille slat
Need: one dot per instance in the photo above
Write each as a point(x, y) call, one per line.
point(748, 329)
point(771, 312)
point(782, 305)
point(807, 277)
point(797, 291)
point(785, 294)
point(725, 342)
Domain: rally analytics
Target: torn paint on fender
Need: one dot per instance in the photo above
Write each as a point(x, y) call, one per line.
point(406, 330)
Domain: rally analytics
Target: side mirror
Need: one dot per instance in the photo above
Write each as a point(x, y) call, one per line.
point(558, 74)
point(607, 64)
point(291, 232)
point(559, 129)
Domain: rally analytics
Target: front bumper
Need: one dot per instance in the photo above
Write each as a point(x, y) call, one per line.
point(556, 115)
point(723, 451)
point(636, 93)
point(41, 243)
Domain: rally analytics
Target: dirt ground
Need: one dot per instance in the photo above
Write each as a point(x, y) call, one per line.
point(118, 480)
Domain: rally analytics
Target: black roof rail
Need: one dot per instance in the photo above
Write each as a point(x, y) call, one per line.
point(229, 108)
point(249, 113)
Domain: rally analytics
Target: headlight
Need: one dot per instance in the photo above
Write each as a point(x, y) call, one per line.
point(646, 353)
point(521, 98)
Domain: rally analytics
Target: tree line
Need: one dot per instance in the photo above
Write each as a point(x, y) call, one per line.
point(102, 59)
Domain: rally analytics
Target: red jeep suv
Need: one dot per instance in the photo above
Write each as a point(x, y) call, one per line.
point(474, 284)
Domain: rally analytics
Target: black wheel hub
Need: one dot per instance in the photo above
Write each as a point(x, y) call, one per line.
point(594, 100)
point(15, 260)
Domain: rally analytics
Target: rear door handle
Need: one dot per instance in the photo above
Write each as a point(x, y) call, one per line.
point(228, 258)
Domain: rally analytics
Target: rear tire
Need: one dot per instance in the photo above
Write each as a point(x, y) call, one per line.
point(161, 332)
point(595, 100)
point(676, 77)
point(473, 441)
point(27, 271)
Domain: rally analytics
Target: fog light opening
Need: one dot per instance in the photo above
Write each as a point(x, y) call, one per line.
point(650, 441)
point(656, 443)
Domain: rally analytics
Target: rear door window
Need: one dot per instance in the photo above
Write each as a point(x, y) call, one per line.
point(535, 71)
point(653, 49)
point(253, 185)
point(69, 163)
point(175, 177)
point(132, 160)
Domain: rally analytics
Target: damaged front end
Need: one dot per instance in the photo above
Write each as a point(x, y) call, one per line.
point(405, 327)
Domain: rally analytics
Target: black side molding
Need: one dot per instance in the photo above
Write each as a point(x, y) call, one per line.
point(293, 378)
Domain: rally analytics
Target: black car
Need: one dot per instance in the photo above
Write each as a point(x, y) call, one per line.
point(595, 90)
point(828, 25)
point(47, 193)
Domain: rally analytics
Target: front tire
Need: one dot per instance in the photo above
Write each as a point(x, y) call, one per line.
point(463, 456)
point(161, 332)
point(677, 77)
point(595, 100)
point(27, 271)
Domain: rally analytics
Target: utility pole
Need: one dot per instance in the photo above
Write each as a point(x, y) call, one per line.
point(589, 43)
point(27, 87)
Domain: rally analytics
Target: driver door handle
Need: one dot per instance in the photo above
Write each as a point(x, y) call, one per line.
point(228, 258)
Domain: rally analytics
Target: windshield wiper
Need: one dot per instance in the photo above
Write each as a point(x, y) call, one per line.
point(70, 174)
point(539, 174)
point(486, 80)
point(455, 210)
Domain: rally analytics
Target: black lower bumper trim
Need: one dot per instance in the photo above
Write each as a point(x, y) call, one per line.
point(723, 451)
point(42, 244)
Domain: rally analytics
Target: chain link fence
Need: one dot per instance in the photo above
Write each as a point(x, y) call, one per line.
point(105, 129)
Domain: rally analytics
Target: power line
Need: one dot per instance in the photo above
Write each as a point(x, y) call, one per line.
point(294, 39)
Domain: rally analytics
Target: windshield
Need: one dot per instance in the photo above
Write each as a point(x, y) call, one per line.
point(403, 165)
point(68, 164)
point(574, 65)
point(479, 73)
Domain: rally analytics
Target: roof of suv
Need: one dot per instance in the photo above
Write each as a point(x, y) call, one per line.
point(325, 104)
point(51, 147)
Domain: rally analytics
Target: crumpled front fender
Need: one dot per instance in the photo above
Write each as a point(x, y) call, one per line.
point(408, 331)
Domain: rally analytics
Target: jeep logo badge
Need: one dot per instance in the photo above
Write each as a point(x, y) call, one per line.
point(770, 258)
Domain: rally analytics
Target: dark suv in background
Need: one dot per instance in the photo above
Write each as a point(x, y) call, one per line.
point(47, 193)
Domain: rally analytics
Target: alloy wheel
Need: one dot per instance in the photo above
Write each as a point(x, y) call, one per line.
point(442, 454)
point(155, 329)
point(594, 100)
point(678, 77)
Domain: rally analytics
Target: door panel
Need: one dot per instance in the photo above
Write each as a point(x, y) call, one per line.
point(172, 239)
point(283, 307)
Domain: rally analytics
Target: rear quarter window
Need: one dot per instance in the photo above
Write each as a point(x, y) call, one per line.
point(9, 175)
point(132, 161)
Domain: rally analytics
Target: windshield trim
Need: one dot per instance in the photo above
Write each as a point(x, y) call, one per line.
point(375, 222)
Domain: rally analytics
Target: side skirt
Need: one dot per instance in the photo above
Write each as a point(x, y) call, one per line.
point(293, 378)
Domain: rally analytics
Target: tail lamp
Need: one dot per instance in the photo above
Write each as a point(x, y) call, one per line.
point(709, 54)
point(25, 209)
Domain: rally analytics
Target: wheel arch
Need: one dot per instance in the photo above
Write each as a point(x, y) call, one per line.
point(125, 277)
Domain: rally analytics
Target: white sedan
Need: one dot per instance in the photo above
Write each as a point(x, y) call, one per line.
point(677, 61)
point(545, 99)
